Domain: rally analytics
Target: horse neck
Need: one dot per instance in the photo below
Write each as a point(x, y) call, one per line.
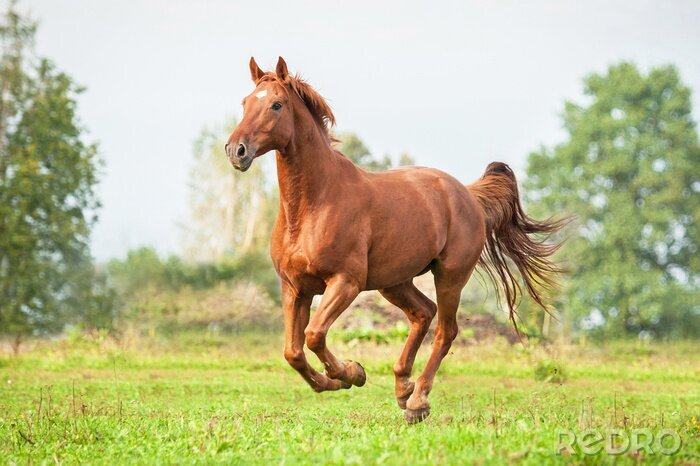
point(305, 172)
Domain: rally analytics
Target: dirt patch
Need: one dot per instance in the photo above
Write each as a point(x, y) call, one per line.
point(371, 311)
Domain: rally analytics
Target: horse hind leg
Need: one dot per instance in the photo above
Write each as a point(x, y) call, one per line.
point(449, 282)
point(420, 311)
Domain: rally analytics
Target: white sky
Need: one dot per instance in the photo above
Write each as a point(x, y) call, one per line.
point(455, 84)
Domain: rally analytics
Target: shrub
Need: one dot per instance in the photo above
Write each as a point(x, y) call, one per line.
point(241, 306)
point(550, 371)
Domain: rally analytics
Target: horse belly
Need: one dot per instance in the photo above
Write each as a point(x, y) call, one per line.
point(404, 254)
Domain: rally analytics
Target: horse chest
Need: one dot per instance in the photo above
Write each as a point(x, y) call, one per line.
point(298, 268)
point(304, 259)
point(307, 261)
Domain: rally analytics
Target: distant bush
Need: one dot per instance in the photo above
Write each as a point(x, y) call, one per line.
point(550, 371)
point(242, 306)
point(144, 269)
point(397, 333)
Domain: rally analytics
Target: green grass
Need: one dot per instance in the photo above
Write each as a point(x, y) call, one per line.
point(215, 400)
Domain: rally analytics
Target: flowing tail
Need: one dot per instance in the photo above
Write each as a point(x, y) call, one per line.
point(508, 236)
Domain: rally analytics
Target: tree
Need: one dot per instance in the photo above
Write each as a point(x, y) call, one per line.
point(141, 269)
point(352, 147)
point(47, 199)
point(230, 213)
point(405, 159)
point(629, 171)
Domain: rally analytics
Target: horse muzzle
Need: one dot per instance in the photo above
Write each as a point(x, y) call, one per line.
point(241, 164)
point(239, 156)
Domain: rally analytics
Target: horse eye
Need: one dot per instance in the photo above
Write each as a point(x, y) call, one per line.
point(276, 106)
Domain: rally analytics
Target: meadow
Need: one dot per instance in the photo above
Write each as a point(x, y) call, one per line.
point(231, 399)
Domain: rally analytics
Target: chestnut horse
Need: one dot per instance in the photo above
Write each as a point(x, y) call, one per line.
point(341, 230)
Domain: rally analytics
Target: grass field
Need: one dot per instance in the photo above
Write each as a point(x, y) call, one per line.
point(233, 400)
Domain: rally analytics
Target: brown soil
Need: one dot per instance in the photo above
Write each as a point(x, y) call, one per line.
point(370, 310)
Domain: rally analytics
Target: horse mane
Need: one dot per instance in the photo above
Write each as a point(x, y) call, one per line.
point(315, 103)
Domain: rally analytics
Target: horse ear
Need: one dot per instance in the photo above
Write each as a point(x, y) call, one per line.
point(281, 70)
point(255, 72)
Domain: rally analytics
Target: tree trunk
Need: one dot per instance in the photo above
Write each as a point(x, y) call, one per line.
point(16, 344)
point(546, 322)
point(252, 221)
point(3, 131)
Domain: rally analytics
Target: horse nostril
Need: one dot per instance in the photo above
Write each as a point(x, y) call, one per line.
point(226, 148)
point(241, 150)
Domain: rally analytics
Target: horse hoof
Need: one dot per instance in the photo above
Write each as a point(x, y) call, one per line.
point(345, 385)
point(332, 385)
point(402, 399)
point(402, 402)
point(414, 416)
point(359, 376)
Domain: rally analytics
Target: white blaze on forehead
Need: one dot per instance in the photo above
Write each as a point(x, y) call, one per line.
point(261, 94)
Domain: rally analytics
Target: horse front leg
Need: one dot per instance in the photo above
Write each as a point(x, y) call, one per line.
point(296, 316)
point(340, 293)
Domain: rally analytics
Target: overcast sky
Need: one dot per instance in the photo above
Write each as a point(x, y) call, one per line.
point(455, 84)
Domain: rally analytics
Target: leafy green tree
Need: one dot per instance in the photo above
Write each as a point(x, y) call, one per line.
point(47, 200)
point(230, 213)
point(142, 268)
point(629, 171)
point(405, 159)
point(227, 234)
point(352, 147)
